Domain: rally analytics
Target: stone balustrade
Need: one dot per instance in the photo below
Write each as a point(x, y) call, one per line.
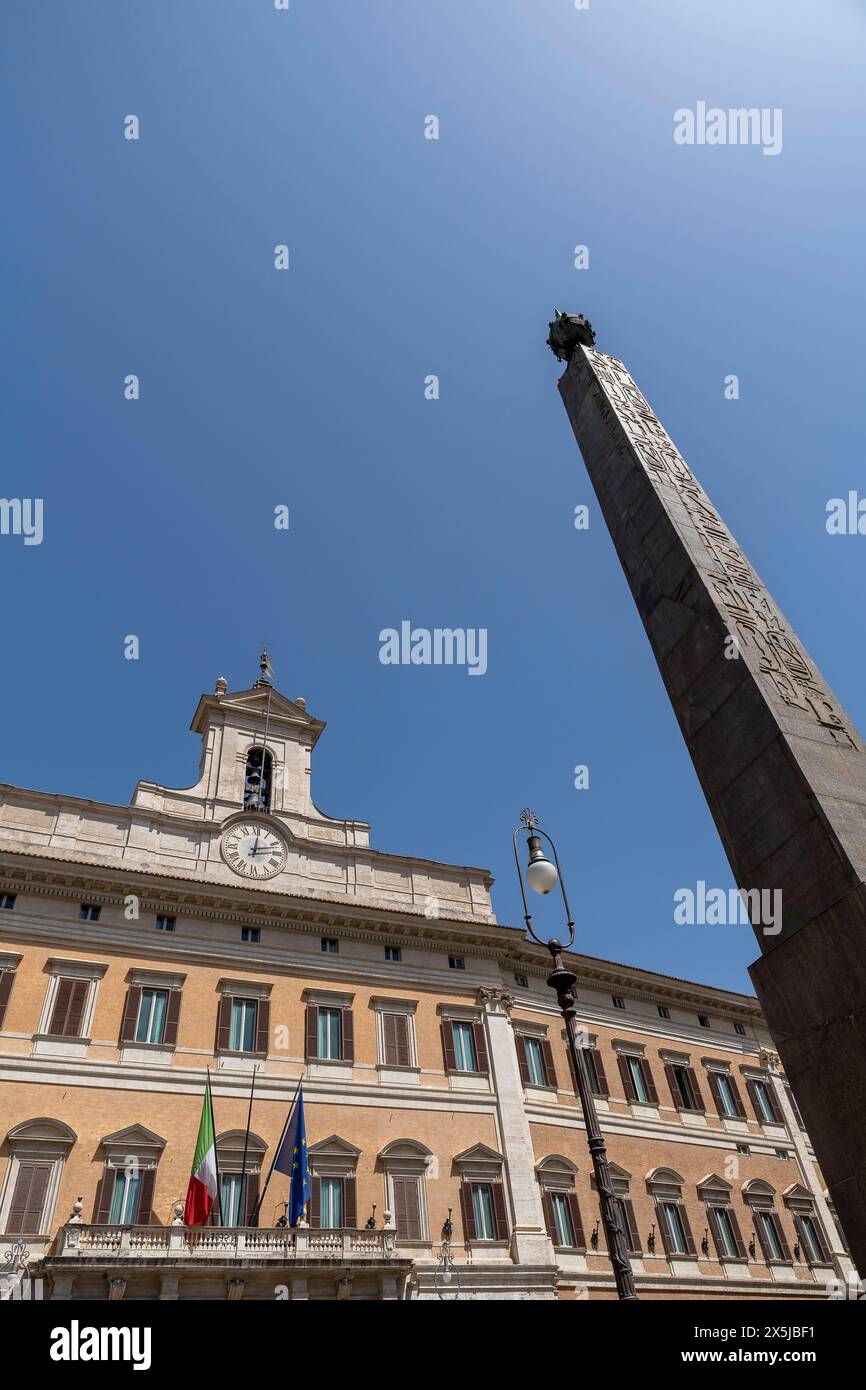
point(78, 1241)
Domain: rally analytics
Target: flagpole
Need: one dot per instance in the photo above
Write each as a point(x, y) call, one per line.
point(216, 1162)
point(246, 1142)
point(276, 1151)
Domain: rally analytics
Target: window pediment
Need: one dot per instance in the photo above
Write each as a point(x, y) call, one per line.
point(134, 1140)
point(41, 1135)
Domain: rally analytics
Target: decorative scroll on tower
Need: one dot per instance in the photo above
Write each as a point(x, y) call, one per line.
point(782, 767)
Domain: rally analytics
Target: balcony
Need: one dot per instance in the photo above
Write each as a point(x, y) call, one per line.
point(223, 1243)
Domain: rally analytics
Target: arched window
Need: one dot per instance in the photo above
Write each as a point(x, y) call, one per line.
point(406, 1163)
point(556, 1176)
point(665, 1186)
point(257, 780)
point(760, 1197)
point(124, 1196)
point(38, 1149)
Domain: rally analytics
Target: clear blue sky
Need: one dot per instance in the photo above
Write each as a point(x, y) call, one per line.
point(305, 387)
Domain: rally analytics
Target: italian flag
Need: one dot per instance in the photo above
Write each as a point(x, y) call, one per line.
point(202, 1188)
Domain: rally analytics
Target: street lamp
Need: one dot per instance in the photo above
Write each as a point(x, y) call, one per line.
point(542, 876)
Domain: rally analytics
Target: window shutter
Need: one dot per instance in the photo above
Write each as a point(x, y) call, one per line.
point(633, 1234)
point(144, 1215)
point(350, 1203)
point(713, 1223)
point(57, 1022)
point(738, 1100)
point(395, 1032)
point(662, 1227)
point(628, 1084)
point(687, 1231)
point(672, 1082)
point(315, 1201)
point(738, 1239)
point(404, 1050)
point(448, 1045)
point(770, 1092)
point(549, 1220)
point(407, 1208)
point(522, 1062)
point(576, 1223)
point(759, 1227)
point(697, 1098)
point(28, 1199)
point(251, 1197)
point(6, 980)
point(648, 1082)
point(595, 1056)
point(104, 1196)
point(549, 1066)
point(263, 1025)
point(481, 1062)
point(786, 1249)
point(130, 1013)
point(753, 1097)
point(572, 1072)
point(68, 1011)
point(716, 1093)
point(172, 1017)
point(224, 1023)
point(389, 1039)
point(824, 1253)
point(312, 1032)
point(467, 1213)
point(500, 1221)
point(347, 1036)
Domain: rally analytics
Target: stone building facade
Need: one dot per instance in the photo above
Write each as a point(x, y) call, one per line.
point(232, 926)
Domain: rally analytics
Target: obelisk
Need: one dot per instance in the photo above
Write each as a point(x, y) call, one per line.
point(781, 765)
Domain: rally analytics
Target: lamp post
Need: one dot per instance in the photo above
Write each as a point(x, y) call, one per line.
point(542, 876)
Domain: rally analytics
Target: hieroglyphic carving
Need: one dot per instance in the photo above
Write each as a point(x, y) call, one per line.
point(735, 586)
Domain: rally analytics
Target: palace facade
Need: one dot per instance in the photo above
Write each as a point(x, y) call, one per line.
point(232, 926)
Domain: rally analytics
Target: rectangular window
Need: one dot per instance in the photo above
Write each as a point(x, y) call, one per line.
point(767, 1227)
point(407, 1208)
point(562, 1219)
point(482, 1210)
point(150, 1026)
point(231, 1194)
point(811, 1241)
point(26, 1210)
point(618, 1003)
point(726, 1095)
point(456, 963)
point(664, 1011)
point(330, 946)
point(464, 1047)
point(725, 1232)
point(165, 923)
point(396, 1040)
point(743, 1149)
point(124, 1201)
point(393, 953)
point(762, 1100)
point(703, 1021)
point(521, 981)
point(331, 1210)
point(329, 1035)
point(70, 1001)
point(637, 1079)
point(740, 1028)
point(251, 934)
point(684, 1093)
point(677, 1244)
point(242, 1035)
point(88, 913)
point(7, 900)
point(534, 1062)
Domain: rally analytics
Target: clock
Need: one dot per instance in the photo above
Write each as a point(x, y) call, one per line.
point(254, 849)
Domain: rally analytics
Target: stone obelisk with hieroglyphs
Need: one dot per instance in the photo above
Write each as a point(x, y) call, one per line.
point(781, 765)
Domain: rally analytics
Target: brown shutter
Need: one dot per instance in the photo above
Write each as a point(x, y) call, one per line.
point(224, 1023)
point(68, 1011)
point(407, 1208)
point(662, 1226)
point(786, 1249)
point(130, 1014)
point(500, 1221)
point(713, 1222)
point(576, 1223)
point(672, 1082)
point(549, 1066)
point(572, 1072)
point(251, 1197)
point(603, 1088)
point(824, 1253)
point(448, 1045)
point(549, 1220)
point(628, 1084)
point(315, 1201)
point(144, 1215)
point(347, 1035)
point(404, 1051)
point(687, 1230)
point(350, 1203)
point(57, 1022)
point(172, 1018)
point(263, 1025)
point(631, 1224)
point(648, 1082)
point(522, 1061)
point(6, 980)
point(750, 1087)
point(738, 1239)
point(389, 1038)
point(481, 1063)
point(738, 1100)
point(716, 1093)
point(770, 1091)
point(104, 1195)
point(697, 1098)
point(467, 1212)
point(28, 1199)
point(759, 1227)
point(312, 1031)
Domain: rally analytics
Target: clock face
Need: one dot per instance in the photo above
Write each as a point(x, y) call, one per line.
point(254, 850)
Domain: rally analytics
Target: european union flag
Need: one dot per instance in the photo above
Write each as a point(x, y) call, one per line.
point(292, 1160)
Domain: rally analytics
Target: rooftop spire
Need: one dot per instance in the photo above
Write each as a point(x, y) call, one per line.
point(267, 670)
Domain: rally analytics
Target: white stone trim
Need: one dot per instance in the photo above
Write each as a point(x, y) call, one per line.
point(245, 989)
